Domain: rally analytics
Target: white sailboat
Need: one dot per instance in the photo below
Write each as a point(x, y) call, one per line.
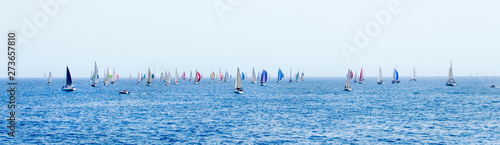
point(114, 77)
point(221, 76)
point(176, 80)
point(414, 75)
point(450, 81)
point(95, 79)
point(355, 80)
point(290, 75)
point(226, 77)
point(168, 78)
point(380, 79)
point(347, 86)
point(190, 75)
point(50, 78)
point(150, 78)
point(139, 76)
point(107, 77)
point(253, 76)
point(69, 82)
point(237, 86)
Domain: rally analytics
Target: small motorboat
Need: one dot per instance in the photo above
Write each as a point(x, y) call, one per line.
point(492, 86)
point(124, 92)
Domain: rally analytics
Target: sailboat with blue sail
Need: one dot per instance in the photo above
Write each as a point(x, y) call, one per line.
point(242, 75)
point(395, 77)
point(69, 82)
point(281, 75)
point(263, 78)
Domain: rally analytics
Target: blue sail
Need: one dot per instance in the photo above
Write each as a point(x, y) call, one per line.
point(242, 76)
point(280, 75)
point(397, 75)
point(263, 77)
point(69, 81)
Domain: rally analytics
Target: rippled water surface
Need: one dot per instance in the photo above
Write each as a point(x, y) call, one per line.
point(314, 111)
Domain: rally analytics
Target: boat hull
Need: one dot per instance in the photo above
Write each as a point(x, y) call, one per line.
point(395, 82)
point(238, 91)
point(68, 88)
point(380, 83)
point(451, 84)
point(347, 89)
point(94, 85)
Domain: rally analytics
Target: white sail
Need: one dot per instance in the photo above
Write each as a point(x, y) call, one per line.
point(50, 77)
point(237, 86)
point(380, 78)
point(414, 75)
point(253, 76)
point(150, 78)
point(355, 78)
point(450, 80)
point(107, 76)
point(168, 78)
point(176, 80)
point(114, 77)
point(139, 77)
point(347, 86)
point(190, 75)
point(95, 80)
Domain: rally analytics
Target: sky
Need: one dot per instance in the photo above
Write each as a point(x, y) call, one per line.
point(323, 38)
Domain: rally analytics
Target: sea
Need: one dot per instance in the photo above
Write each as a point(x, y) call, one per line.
point(314, 111)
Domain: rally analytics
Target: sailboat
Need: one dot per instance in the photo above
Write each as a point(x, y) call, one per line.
point(69, 82)
point(212, 76)
point(361, 76)
point(95, 80)
point(150, 78)
point(168, 78)
point(237, 86)
point(414, 75)
point(197, 77)
point(176, 80)
point(290, 75)
point(355, 80)
point(190, 75)
point(107, 77)
point(50, 78)
point(221, 76)
point(302, 76)
point(380, 79)
point(347, 86)
point(450, 81)
point(243, 76)
point(253, 76)
point(395, 77)
point(163, 77)
point(114, 77)
point(226, 77)
point(297, 77)
point(139, 77)
point(183, 75)
point(263, 78)
point(280, 75)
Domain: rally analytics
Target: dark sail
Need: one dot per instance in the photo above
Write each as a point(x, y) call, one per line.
point(69, 81)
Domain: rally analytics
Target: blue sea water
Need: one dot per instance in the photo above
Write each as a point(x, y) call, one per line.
point(314, 111)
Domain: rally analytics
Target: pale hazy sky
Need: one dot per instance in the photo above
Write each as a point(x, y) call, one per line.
point(271, 34)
